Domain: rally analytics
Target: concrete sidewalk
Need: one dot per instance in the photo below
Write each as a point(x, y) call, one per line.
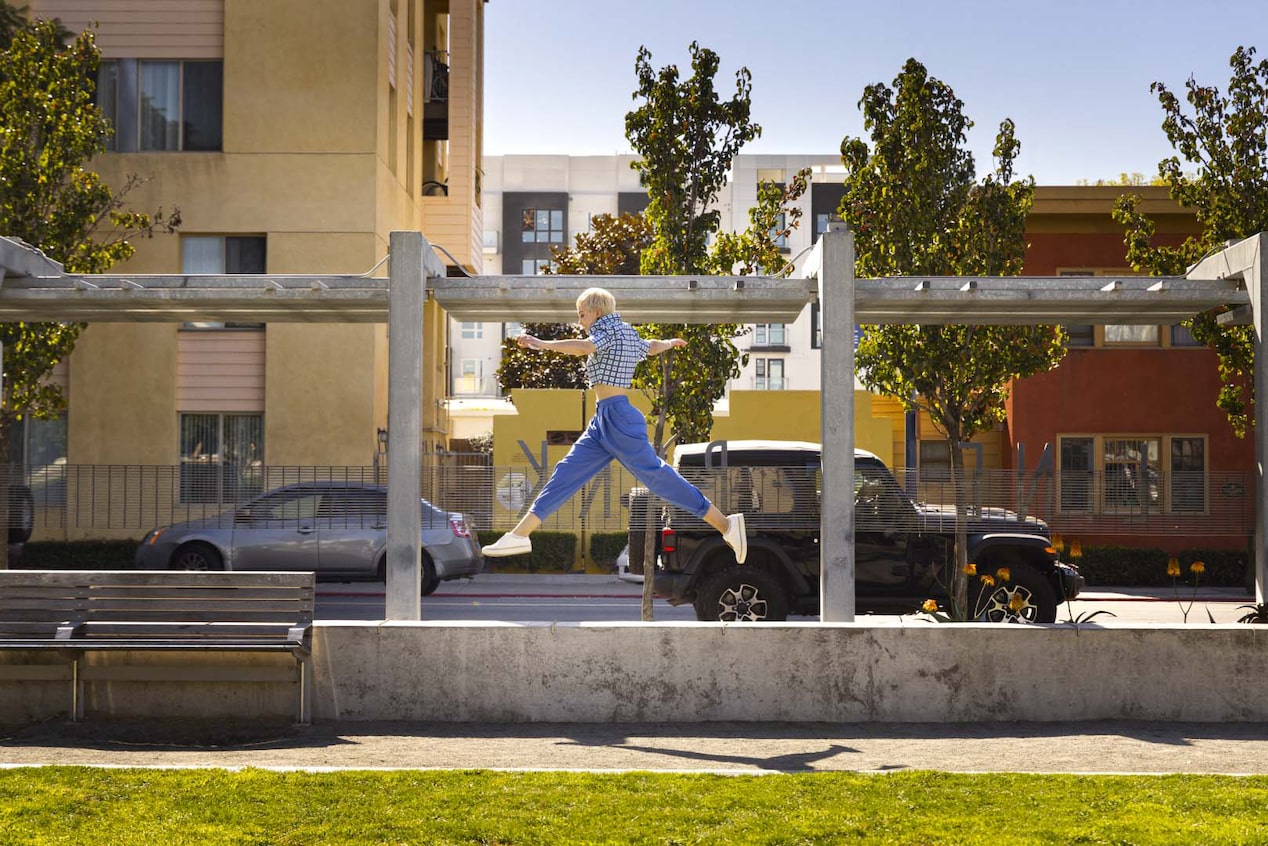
point(732, 748)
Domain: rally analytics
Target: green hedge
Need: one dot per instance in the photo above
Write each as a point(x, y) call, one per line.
point(606, 546)
point(79, 555)
point(1128, 566)
point(551, 551)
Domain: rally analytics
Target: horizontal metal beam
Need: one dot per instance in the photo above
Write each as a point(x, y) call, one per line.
point(1028, 300)
point(36, 288)
point(639, 299)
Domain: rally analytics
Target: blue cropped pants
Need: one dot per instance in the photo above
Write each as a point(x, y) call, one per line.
point(617, 431)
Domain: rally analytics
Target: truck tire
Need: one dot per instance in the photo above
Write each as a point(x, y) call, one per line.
point(742, 594)
point(1025, 598)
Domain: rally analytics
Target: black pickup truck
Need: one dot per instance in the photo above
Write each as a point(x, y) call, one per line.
point(904, 549)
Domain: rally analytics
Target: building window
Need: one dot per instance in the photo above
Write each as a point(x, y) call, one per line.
point(770, 374)
point(163, 105)
point(1188, 474)
point(543, 226)
point(1125, 474)
point(770, 335)
point(1131, 335)
point(1131, 473)
point(472, 331)
point(470, 376)
point(1081, 335)
point(221, 457)
point(816, 327)
point(231, 255)
point(1181, 336)
point(533, 267)
point(935, 461)
point(39, 446)
point(778, 233)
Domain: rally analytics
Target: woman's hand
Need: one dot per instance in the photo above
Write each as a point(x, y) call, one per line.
point(528, 342)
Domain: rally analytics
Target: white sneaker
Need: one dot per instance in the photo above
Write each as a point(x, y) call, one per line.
point(509, 544)
point(735, 537)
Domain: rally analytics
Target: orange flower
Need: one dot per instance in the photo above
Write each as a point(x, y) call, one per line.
point(1197, 567)
point(989, 581)
point(1004, 574)
point(1173, 567)
point(929, 606)
point(1017, 603)
point(1058, 544)
point(1076, 549)
point(970, 569)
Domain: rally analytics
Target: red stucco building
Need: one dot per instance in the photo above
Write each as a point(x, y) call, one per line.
point(1142, 455)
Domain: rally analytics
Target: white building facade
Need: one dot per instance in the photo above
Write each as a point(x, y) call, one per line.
point(534, 203)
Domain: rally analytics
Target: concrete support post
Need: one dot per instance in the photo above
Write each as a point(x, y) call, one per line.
point(836, 318)
point(407, 282)
point(1257, 285)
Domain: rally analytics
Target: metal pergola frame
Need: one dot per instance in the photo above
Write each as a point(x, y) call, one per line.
point(35, 288)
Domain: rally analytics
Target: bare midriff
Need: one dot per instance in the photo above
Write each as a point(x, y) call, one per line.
point(608, 391)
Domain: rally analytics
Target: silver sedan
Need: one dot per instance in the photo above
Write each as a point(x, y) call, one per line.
point(336, 529)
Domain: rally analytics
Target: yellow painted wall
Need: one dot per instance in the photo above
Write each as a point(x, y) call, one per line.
point(304, 163)
point(776, 415)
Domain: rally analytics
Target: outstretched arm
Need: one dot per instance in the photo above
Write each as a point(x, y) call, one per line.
point(656, 347)
point(567, 346)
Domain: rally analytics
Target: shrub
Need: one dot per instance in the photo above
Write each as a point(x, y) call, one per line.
point(606, 546)
point(551, 551)
point(1131, 566)
point(79, 555)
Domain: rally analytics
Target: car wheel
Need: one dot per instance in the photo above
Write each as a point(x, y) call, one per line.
point(196, 556)
point(430, 581)
point(1025, 598)
point(742, 594)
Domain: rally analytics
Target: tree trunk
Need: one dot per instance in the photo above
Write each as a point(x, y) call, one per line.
point(5, 482)
point(959, 580)
point(649, 537)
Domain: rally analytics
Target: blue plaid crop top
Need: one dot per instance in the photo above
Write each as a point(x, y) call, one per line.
point(617, 351)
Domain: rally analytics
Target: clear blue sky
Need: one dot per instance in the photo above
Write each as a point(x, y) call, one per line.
point(1074, 75)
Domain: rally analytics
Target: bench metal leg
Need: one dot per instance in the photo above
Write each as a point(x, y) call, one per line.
point(305, 709)
point(76, 692)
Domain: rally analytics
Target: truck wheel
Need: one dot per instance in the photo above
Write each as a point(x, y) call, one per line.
point(742, 594)
point(1025, 598)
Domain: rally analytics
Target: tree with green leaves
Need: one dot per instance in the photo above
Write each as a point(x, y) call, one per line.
point(1224, 139)
point(612, 247)
point(916, 208)
point(49, 130)
point(686, 137)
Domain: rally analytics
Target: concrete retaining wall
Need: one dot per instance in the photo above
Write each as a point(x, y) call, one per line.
point(849, 672)
point(790, 672)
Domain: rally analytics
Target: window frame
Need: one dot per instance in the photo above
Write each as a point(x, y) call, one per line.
point(1098, 483)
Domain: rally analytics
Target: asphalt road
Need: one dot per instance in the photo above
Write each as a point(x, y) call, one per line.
point(496, 597)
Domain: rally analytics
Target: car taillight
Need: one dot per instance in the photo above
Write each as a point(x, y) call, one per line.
point(668, 540)
point(459, 526)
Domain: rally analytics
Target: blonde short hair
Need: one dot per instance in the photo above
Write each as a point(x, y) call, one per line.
point(597, 299)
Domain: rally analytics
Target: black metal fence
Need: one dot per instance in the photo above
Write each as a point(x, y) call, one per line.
point(128, 500)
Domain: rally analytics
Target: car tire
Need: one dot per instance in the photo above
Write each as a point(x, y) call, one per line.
point(742, 594)
point(1036, 603)
point(430, 580)
point(196, 556)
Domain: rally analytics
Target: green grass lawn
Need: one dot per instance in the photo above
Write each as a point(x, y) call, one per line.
point(87, 807)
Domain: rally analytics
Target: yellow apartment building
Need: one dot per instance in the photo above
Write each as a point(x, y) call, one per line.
point(294, 136)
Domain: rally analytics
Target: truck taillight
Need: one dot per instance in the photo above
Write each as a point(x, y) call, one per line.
point(668, 540)
point(459, 527)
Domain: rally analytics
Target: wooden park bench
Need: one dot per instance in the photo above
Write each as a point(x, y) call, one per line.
point(65, 614)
